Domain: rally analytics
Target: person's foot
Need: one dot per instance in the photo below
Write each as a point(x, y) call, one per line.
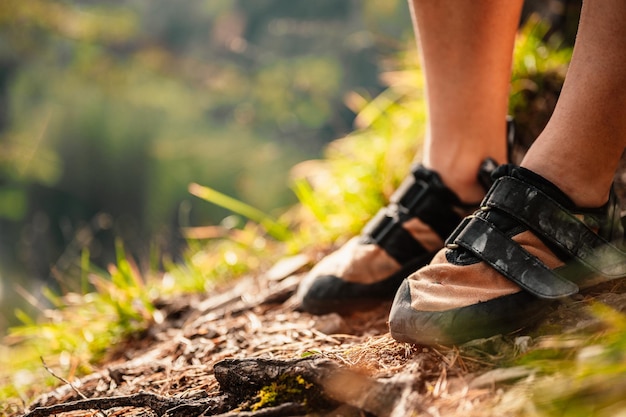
point(527, 244)
point(401, 238)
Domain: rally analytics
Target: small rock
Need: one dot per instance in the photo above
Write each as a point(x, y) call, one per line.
point(522, 343)
point(287, 266)
point(501, 375)
point(331, 324)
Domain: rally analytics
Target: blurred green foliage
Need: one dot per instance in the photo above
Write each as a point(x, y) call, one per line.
point(540, 63)
point(579, 373)
point(109, 110)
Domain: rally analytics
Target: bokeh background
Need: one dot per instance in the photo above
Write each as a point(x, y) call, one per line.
point(108, 110)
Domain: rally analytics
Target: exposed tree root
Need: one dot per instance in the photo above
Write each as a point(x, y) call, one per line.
point(162, 406)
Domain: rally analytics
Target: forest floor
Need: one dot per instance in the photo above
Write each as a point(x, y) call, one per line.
point(247, 351)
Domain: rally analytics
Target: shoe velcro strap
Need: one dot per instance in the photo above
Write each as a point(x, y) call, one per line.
point(507, 257)
point(385, 230)
point(419, 197)
point(551, 221)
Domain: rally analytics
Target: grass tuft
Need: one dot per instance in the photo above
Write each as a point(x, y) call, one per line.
point(579, 374)
point(77, 330)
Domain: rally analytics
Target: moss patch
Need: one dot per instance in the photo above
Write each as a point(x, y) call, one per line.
point(288, 388)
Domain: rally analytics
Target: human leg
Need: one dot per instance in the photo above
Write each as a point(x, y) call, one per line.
point(546, 229)
point(467, 72)
point(466, 50)
point(580, 148)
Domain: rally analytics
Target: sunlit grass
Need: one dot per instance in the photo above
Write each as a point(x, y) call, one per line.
point(358, 173)
point(78, 329)
point(576, 375)
point(273, 228)
point(535, 61)
point(217, 254)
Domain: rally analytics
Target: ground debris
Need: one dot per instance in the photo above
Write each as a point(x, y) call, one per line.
point(324, 383)
point(230, 354)
point(162, 406)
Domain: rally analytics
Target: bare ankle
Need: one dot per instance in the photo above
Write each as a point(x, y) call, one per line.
point(463, 182)
point(469, 190)
point(585, 191)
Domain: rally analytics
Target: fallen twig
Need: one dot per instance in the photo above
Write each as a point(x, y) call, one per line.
point(60, 378)
point(161, 405)
point(286, 409)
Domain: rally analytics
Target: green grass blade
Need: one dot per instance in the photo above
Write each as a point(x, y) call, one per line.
point(273, 228)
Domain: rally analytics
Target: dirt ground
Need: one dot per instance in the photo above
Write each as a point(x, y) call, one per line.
point(246, 351)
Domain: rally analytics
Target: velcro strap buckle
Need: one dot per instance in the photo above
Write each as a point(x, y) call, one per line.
point(381, 225)
point(488, 243)
point(403, 202)
point(386, 231)
point(410, 194)
point(553, 222)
